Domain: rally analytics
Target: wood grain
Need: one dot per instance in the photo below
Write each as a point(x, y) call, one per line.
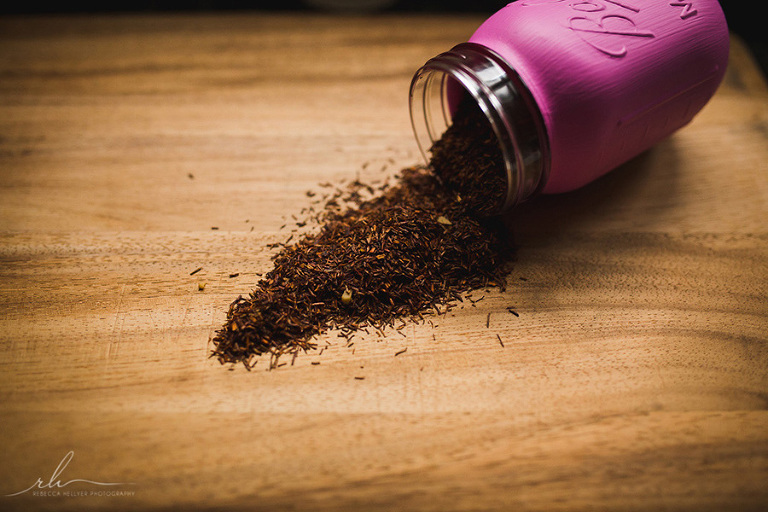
point(634, 378)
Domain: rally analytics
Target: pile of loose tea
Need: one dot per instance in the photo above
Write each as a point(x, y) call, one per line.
point(468, 160)
point(398, 252)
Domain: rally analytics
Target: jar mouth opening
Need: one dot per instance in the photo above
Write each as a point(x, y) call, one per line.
point(437, 94)
point(472, 71)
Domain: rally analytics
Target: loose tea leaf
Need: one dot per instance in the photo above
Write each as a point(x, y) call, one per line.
point(468, 160)
point(390, 253)
point(393, 252)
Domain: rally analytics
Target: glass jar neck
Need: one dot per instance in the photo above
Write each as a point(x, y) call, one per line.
point(497, 89)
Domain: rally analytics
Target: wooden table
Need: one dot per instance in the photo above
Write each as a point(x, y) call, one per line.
point(635, 378)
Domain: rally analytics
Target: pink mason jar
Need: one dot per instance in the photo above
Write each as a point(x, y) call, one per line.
point(574, 88)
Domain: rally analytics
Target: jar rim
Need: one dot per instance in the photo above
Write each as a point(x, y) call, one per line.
point(502, 97)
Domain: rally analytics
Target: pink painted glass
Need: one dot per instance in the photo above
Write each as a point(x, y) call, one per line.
point(572, 88)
